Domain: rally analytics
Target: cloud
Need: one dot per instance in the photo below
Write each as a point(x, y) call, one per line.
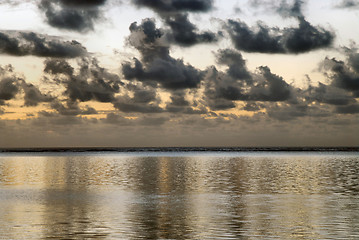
point(162, 6)
point(288, 10)
point(79, 15)
point(170, 73)
point(271, 87)
point(112, 118)
point(118, 120)
point(158, 66)
point(83, 3)
point(30, 43)
point(267, 87)
point(144, 100)
point(128, 105)
point(185, 33)
point(236, 64)
point(221, 90)
point(252, 107)
point(287, 112)
point(71, 109)
point(284, 8)
point(153, 121)
point(92, 82)
point(348, 4)
point(9, 84)
point(53, 121)
point(58, 66)
point(33, 96)
point(175, 15)
point(344, 75)
point(238, 84)
point(293, 40)
point(148, 40)
point(328, 94)
point(350, 109)
point(264, 39)
point(8, 89)
point(180, 105)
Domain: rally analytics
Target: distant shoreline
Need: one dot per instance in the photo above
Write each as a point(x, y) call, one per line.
point(182, 149)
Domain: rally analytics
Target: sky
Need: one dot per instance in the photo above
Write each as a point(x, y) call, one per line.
point(148, 73)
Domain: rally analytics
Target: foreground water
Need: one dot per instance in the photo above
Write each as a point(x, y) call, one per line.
point(179, 196)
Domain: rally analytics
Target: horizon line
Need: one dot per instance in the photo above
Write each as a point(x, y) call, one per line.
point(180, 149)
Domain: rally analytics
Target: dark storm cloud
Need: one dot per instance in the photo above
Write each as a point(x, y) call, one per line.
point(29, 43)
point(176, 5)
point(148, 27)
point(307, 37)
point(268, 87)
point(58, 66)
point(185, 33)
point(148, 40)
point(222, 89)
point(178, 99)
point(158, 66)
point(74, 15)
point(175, 14)
point(179, 104)
point(92, 82)
point(143, 100)
point(83, 3)
point(273, 88)
point(236, 64)
point(344, 75)
point(328, 94)
point(144, 96)
point(33, 96)
point(264, 39)
point(237, 83)
point(8, 89)
point(169, 73)
point(9, 84)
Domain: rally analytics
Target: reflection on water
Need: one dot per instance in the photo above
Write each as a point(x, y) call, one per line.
point(179, 196)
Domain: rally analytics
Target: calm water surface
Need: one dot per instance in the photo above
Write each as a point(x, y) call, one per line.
point(179, 196)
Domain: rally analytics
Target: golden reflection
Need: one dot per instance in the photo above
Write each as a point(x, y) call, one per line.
point(69, 209)
point(23, 171)
point(195, 197)
point(164, 175)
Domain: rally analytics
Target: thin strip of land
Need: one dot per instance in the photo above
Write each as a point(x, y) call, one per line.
point(184, 149)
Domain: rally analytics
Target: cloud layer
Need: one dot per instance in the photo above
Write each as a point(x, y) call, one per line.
point(152, 87)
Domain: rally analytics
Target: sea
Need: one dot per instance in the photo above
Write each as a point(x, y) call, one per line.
point(179, 193)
